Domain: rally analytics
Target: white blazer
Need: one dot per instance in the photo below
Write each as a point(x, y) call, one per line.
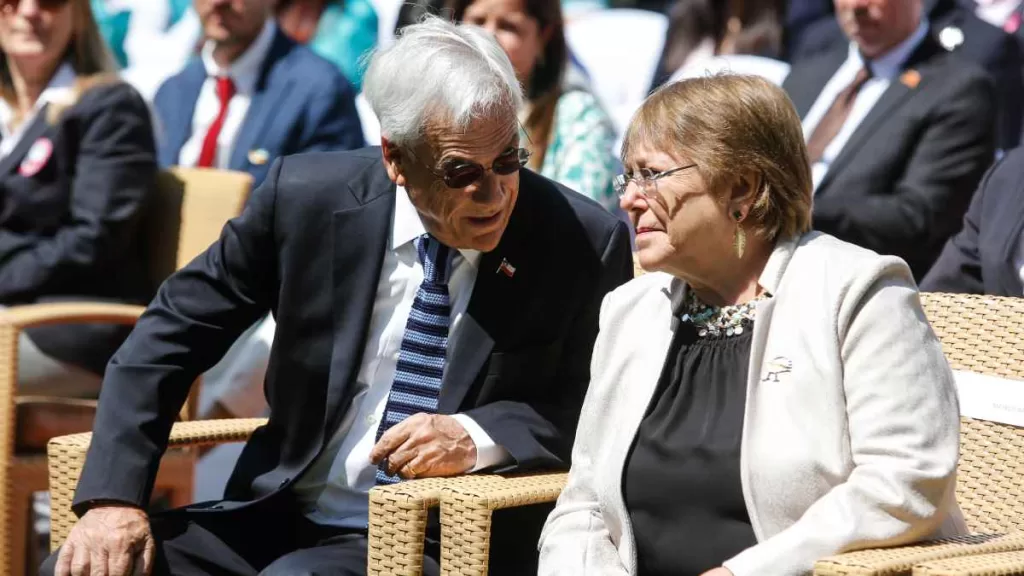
point(851, 430)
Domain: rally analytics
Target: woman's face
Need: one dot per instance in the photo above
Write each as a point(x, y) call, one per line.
point(36, 33)
point(680, 223)
point(518, 33)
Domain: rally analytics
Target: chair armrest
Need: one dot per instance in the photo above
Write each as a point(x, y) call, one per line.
point(467, 507)
point(999, 564)
point(398, 525)
point(66, 456)
point(30, 315)
point(899, 561)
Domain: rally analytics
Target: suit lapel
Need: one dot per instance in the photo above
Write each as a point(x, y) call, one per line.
point(360, 239)
point(271, 91)
point(895, 96)
point(496, 298)
point(1012, 220)
point(804, 90)
point(33, 132)
point(178, 125)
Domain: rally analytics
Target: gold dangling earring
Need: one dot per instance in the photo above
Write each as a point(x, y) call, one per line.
point(739, 241)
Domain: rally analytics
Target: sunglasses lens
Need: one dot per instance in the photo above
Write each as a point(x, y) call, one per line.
point(507, 165)
point(463, 175)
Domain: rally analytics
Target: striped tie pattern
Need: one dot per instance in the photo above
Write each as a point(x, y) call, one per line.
point(417, 384)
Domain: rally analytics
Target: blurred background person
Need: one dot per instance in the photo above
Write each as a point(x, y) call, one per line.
point(342, 31)
point(749, 331)
point(957, 28)
point(987, 255)
point(899, 132)
point(710, 36)
point(570, 135)
point(77, 165)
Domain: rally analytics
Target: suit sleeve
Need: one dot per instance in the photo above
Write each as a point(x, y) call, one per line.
point(114, 174)
point(926, 204)
point(904, 428)
point(540, 435)
point(196, 316)
point(332, 122)
point(959, 267)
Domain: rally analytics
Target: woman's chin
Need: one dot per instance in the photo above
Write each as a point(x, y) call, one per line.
point(651, 258)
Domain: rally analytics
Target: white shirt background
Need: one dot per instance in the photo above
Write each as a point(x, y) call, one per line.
point(883, 70)
point(60, 89)
point(244, 72)
point(334, 489)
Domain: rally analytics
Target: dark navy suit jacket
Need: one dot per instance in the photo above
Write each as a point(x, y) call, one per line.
point(71, 224)
point(302, 103)
point(309, 248)
point(979, 259)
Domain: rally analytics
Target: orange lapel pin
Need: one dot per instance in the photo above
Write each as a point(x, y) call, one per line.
point(911, 78)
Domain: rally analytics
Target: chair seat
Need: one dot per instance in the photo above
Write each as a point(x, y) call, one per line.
point(39, 418)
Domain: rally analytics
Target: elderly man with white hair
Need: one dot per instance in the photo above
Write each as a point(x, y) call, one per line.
point(436, 309)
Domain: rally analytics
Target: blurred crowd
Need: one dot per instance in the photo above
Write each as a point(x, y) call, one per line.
point(903, 117)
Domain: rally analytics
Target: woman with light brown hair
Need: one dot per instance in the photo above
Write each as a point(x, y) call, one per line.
point(777, 395)
point(77, 162)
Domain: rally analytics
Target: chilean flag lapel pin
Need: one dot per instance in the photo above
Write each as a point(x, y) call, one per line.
point(36, 158)
point(506, 268)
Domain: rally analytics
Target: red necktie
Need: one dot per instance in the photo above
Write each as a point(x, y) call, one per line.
point(225, 91)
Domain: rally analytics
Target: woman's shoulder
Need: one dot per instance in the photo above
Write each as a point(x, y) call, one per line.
point(645, 285)
point(579, 105)
point(842, 268)
point(98, 95)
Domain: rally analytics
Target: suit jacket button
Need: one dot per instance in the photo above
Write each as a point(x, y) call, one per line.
point(284, 482)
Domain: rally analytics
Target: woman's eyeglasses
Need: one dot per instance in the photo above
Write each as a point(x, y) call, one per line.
point(10, 6)
point(463, 173)
point(646, 179)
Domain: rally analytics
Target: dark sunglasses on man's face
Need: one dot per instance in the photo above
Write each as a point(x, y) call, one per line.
point(9, 6)
point(463, 173)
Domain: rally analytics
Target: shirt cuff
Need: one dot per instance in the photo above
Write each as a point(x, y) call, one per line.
point(488, 453)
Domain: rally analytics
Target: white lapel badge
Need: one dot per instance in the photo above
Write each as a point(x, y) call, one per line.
point(506, 268)
point(258, 157)
point(36, 158)
point(776, 367)
point(951, 38)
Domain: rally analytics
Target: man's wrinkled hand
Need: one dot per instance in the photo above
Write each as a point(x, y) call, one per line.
point(110, 540)
point(426, 446)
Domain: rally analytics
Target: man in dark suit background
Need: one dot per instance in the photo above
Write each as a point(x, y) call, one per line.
point(987, 255)
point(959, 30)
point(253, 95)
point(899, 132)
point(368, 268)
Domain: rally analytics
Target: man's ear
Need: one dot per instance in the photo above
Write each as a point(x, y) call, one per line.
point(392, 157)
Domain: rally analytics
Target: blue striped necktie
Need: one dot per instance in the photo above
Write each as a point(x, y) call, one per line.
point(417, 384)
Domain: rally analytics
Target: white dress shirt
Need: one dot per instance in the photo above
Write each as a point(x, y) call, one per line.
point(60, 89)
point(996, 12)
point(334, 490)
point(883, 70)
point(244, 72)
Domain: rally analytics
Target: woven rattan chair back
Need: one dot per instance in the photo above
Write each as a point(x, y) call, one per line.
point(985, 334)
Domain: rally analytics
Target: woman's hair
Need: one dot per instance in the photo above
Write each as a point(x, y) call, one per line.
point(731, 125)
point(437, 70)
point(87, 52)
point(546, 80)
point(694, 21)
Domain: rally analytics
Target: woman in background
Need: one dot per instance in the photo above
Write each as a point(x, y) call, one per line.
point(77, 163)
point(570, 135)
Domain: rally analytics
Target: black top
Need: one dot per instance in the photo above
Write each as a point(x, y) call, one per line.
point(682, 478)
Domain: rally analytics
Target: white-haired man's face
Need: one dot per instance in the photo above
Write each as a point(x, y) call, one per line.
point(467, 217)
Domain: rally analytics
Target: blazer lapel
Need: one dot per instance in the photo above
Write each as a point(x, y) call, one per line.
point(804, 90)
point(181, 108)
point(360, 239)
point(271, 91)
point(1012, 220)
point(896, 95)
point(33, 132)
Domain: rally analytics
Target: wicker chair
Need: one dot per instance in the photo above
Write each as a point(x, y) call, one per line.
point(187, 214)
point(979, 334)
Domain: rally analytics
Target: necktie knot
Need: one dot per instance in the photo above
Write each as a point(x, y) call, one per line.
point(225, 89)
point(436, 259)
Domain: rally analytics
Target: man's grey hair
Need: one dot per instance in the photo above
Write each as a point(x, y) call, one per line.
point(443, 72)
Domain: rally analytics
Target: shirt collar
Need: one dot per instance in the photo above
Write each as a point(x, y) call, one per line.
point(245, 70)
point(408, 226)
point(890, 64)
point(61, 87)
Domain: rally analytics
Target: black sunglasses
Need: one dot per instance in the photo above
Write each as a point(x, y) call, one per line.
point(463, 173)
point(9, 6)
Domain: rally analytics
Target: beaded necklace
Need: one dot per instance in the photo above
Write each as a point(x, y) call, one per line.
point(713, 321)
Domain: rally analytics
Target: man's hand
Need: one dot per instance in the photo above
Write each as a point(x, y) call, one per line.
point(424, 446)
point(112, 540)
